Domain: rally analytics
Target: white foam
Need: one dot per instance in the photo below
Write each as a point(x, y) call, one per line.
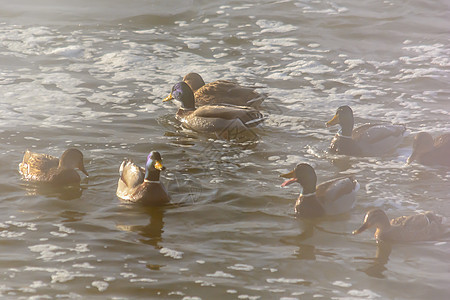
point(143, 280)
point(64, 229)
point(220, 274)
point(367, 294)
point(274, 26)
point(128, 275)
point(171, 253)
point(100, 285)
point(341, 284)
point(73, 51)
point(10, 234)
point(85, 265)
point(47, 251)
point(205, 283)
point(241, 267)
point(284, 280)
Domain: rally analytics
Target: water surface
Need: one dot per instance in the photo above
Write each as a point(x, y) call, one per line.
point(92, 75)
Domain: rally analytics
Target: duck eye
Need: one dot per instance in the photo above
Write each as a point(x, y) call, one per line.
point(176, 94)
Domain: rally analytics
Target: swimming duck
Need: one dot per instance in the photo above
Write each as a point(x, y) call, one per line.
point(419, 227)
point(431, 152)
point(332, 197)
point(46, 168)
point(212, 118)
point(141, 185)
point(366, 140)
point(222, 91)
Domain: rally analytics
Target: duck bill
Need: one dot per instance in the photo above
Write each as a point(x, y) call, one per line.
point(159, 166)
point(363, 227)
point(291, 180)
point(168, 98)
point(411, 158)
point(82, 169)
point(333, 121)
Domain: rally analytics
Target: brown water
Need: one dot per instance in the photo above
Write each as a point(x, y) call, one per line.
point(92, 74)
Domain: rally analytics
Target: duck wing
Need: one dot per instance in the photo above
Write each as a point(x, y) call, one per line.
point(442, 141)
point(230, 112)
point(37, 166)
point(224, 91)
point(377, 139)
point(131, 174)
point(424, 226)
point(337, 195)
point(373, 133)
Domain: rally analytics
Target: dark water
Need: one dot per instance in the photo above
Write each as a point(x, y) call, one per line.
point(92, 75)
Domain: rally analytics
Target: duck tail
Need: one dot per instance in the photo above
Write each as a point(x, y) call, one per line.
point(255, 119)
point(257, 100)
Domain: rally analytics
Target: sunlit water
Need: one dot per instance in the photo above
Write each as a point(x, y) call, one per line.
point(92, 75)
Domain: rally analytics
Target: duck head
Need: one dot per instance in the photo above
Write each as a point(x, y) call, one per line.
point(183, 93)
point(305, 175)
point(153, 166)
point(194, 80)
point(72, 159)
point(374, 218)
point(423, 142)
point(343, 117)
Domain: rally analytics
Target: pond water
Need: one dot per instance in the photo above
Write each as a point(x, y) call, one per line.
point(92, 75)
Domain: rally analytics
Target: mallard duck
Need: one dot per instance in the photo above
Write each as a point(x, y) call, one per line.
point(332, 197)
point(141, 185)
point(419, 227)
point(366, 140)
point(222, 91)
point(49, 169)
point(431, 152)
point(212, 118)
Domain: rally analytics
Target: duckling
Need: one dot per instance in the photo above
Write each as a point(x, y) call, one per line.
point(49, 169)
point(332, 197)
point(419, 227)
point(366, 140)
point(212, 118)
point(431, 152)
point(222, 91)
point(141, 185)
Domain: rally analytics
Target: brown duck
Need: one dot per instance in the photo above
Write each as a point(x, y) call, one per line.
point(222, 91)
point(212, 118)
point(366, 140)
point(46, 168)
point(139, 185)
point(427, 151)
point(419, 227)
point(332, 197)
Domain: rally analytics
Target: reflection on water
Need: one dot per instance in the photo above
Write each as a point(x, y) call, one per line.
point(49, 190)
point(152, 232)
point(378, 264)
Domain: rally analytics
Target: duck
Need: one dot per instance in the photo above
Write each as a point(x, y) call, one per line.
point(427, 151)
point(419, 227)
point(46, 168)
point(333, 197)
point(143, 186)
point(366, 140)
point(222, 91)
point(212, 118)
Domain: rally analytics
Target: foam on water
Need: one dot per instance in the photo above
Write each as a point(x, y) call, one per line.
point(220, 274)
point(171, 253)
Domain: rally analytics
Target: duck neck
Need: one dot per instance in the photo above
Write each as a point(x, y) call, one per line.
point(188, 100)
point(152, 175)
point(382, 226)
point(346, 129)
point(309, 190)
